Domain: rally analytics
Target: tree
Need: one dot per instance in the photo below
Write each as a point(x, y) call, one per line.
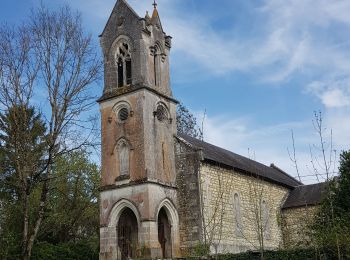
point(50, 54)
point(332, 225)
point(73, 212)
point(187, 123)
point(71, 218)
point(22, 151)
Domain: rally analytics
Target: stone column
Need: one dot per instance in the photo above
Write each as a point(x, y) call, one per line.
point(150, 246)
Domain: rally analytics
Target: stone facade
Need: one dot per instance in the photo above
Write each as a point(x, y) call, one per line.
point(219, 185)
point(296, 226)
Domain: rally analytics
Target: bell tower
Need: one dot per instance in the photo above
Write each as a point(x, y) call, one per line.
point(138, 214)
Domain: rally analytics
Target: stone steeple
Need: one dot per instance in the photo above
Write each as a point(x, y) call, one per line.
point(138, 124)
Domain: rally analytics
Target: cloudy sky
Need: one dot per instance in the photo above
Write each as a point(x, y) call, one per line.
point(259, 68)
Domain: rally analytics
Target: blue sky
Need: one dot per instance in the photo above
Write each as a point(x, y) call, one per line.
point(258, 67)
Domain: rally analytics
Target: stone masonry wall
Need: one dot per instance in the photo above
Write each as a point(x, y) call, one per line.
point(219, 186)
point(296, 226)
point(187, 166)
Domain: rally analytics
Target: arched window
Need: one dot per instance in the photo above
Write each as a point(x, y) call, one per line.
point(157, 65)
point(123, 156)
point(237, 215)
point(123, 57)
point(265, 220)
point(120, 72)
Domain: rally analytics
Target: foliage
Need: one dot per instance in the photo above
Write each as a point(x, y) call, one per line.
point(48, 54)
point(71, 220)
point(22, 159)
point(332, 224)
point(201, 249)
point(73, 211)
point(342, 188)
point(187, 123)
point(84, 249)
point(22, 148)
point(297, 254)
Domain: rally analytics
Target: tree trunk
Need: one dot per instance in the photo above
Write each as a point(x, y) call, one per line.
point(25, 221)
point(30, 243)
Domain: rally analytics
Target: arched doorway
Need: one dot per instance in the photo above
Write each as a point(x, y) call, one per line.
point(127, 231)
point(164, 234)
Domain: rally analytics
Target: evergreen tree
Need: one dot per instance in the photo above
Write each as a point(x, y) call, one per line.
point(22, 156)
point(342, 187)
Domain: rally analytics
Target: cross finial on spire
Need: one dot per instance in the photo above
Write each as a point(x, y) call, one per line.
point(154, 4)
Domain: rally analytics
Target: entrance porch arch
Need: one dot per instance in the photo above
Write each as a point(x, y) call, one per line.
point(168, 233)
point(124, 220)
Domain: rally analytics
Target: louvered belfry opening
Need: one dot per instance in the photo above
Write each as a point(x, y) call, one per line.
point(164, 234)
point(127, 229)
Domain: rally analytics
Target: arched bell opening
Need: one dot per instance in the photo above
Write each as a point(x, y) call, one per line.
point(127, 230)
point(164, 234)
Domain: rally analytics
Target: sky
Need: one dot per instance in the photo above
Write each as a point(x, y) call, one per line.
point(251, 70)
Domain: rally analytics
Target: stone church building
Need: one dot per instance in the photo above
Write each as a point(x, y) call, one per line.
point(164, 194)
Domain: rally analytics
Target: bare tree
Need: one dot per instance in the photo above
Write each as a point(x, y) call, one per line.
point(293, 157)
point(323, 158)
point(257, 213)
point(50, 55)
point(18, 72)
point(326, 163)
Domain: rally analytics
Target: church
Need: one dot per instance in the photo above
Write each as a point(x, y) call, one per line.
point(165, 194)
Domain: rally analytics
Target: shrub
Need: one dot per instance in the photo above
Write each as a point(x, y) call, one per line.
point(66, 251)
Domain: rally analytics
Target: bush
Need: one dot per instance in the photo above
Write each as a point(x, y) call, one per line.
point(67, 251)
point(297, 254)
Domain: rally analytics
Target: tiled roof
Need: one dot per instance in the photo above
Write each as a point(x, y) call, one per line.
point(305, 195)
point(214, 154)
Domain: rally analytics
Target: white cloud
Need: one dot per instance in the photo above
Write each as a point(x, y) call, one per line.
point(335, 98)
point(333, 93)
point(339, 121)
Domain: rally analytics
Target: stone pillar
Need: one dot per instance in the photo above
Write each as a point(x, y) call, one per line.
point(108, 243)
point(150, 246)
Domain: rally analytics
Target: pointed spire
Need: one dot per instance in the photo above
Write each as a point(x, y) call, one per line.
point(155, 11)
point(147, 18)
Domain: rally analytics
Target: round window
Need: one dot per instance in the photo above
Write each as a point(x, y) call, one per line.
point(123, 114)
point(162, 114)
